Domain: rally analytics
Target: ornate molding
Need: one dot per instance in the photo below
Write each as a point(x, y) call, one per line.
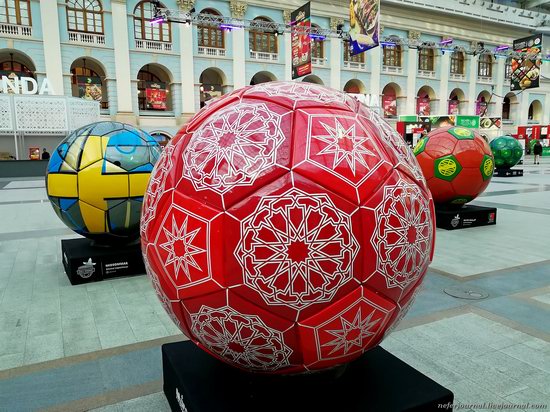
point(186, 5)
point(414, 35)
point(286, 16)
point(238, 9)
point(334, 22)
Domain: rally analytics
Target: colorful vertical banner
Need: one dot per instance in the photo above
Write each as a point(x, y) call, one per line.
point(364, 21)
point(89, 88)
point(526, 70)
point(301, 41)
point(423, 106)
point(155, 95)
point(481, 108)
point(389, 105)
point(454, 107)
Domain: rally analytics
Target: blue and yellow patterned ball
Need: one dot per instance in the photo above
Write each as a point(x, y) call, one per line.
point(96, 179)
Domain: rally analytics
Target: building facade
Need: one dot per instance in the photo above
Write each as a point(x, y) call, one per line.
point(113, 43)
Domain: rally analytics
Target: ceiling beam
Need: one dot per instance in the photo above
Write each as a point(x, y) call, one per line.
point(531, 4)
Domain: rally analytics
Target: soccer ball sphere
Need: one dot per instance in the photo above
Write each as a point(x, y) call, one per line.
point(96, 179)
point(286, 228)
point(457, 163)
point(507, 152)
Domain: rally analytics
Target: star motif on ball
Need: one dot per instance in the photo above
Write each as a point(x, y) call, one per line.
point(234, 147)
point(180, 248)
point(299, 91)
point(243, 339)
point(345, 144)
point(352, 334)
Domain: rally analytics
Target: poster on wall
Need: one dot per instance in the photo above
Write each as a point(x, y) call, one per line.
point(470, 122)
point(155, 95)
point(423, 106)
point(89, 88)
point(364, 22)
point(442, 121)
point(490, 123)
point(301, 42)
point(481, 108)
point(454, 107)
point(526, 70)
point(389, 105)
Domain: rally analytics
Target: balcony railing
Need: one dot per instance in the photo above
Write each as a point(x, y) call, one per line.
point(153, 45)
point(457, 76)
point(318, 61)
point(15, 30)
point(427, 73)
point(392, 69)
point(256, 55)
point(485, 79)
point(354, 65)
point(211, 51)
point(87, 38)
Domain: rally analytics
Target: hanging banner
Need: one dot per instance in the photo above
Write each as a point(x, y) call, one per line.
point(526, 71)
point(490, 123)
point(481, 108)
point(470, 122)
point(155, 95)
point(454, 107)
point(423, 106)
point(89, 88)
point(301, 42)
point(364, 22)
point(389, 105)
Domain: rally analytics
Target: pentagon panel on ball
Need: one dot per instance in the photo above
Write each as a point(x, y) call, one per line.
point(507, 152)
point(286, 228)
point(96, 179)
point(457, 164)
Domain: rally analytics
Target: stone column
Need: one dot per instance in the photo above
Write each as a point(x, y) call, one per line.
point(188, 106)
point(335, 55)
point(238, 10)
point(52, 45)
point(472, 97)
point(125, 109)
point(412, 70)
point(523, 110)
point(499, 88)
point(375, 56)
point(444, 84)
point(288, 47)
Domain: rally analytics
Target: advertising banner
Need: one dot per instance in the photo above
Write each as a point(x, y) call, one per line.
point(389, 105)
point(481, 108)
point(409, 118)
point(89, 88)
point(155, 95)
point(526, 70)
point(454, 107)
point(423, 106)
point(301, 42)
point(490, 123)
point(471, 122)
point(364, 22)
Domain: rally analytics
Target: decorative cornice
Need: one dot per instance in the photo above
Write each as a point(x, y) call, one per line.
point(334, 22)
point(238, 9)
point(185, 5)
point(286, 16)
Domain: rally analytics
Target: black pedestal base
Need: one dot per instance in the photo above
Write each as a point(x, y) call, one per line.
point(85, 263)
point(467, 216)
point(378, 381)
point(508, 172)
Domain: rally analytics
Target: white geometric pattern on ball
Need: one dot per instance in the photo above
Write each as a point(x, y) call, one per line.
point(403, 234)
point(301, 250)
point(300, 91)
point(359, 328)
point(242, 339)
point(233, 147)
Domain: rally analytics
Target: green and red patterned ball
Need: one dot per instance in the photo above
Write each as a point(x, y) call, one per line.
point(457, 163)
point(507, 152)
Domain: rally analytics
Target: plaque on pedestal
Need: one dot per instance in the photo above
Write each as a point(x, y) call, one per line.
point(85, 262)
point(508, 172)
point(466, 216)
point(378, 381)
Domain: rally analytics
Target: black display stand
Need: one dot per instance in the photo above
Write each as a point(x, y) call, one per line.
point(466, 216)
point(86, 263)
point(378, 381)
point(508, 172)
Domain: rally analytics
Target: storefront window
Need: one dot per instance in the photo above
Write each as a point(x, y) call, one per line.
point(152, 93)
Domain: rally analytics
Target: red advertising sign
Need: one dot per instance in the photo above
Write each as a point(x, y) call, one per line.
point(389, 105)
point(454, 107)
point(155, 95)
point(301, 42)
point(423, 106)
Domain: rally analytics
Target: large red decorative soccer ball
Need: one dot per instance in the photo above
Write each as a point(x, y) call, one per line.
point(458, 164)
point(286, 228)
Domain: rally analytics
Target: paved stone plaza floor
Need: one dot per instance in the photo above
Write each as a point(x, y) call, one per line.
point(66, 347)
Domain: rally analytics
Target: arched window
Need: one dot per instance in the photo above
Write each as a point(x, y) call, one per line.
point(261, 40)
point(210, 36)
point(317, 47)
point(426, 59)
point(348, 57)
point(145, 77)
point(15, 12)
point(19, 69)
point(457, 62)
point(144, 30)
point(485, 66)
point(85, 16)
point(392, 55)
point(506, 109)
